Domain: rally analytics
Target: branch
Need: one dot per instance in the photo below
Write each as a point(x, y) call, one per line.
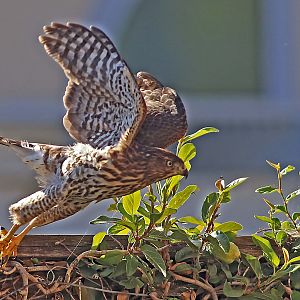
point(206, 286)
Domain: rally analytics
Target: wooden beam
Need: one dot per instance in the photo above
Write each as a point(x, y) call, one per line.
point(64, 246)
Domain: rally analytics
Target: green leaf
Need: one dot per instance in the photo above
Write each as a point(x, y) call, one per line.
point(144, 212)
point(166, 213)
point(192, 220)
point(97, 239)
point(157, 235)
point(104, 220)
point(229, 226)
point(185, 253)
point(254, 264)
point(119, 270)
point(183, 268)
point(199, 133)
point(209, 201)
point(234, 292)
point(180, 198)
point(281, 237)
point(106, 272)
point(124, 213)
point(222, 240)
point(273, 165)
point(292, 195)
point(296, 216)
point(286, 225)
point(264, 219)
point(111, 258)
point(226, 197)
point(181, 236)
point(295, 295)
point(270, 204)
point(131, 265)
point(117, 229)
point(155, 258)
point(132, 202)
point(174, 181)
point(131, 283)
point(280, 209)
point(187, 152)
point(287, 169)
point(234, 184)
point(266, 190)
point(267, 249)
point(282, 273)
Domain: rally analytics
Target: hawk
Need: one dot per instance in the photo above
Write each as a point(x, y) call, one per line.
point(121, 123)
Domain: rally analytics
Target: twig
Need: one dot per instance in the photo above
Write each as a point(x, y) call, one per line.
point(206, 286)
point(107, 291)
point(86, 254)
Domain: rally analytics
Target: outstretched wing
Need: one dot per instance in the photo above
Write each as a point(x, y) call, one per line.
point(165, 122)
point(103, 101)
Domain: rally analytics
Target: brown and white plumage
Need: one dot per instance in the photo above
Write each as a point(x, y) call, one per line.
point(119, 120)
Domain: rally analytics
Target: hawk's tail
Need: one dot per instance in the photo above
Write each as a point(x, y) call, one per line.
point(14, 143)
point(41, 158)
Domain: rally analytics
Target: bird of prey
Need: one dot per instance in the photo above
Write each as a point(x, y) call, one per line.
point(121, 123)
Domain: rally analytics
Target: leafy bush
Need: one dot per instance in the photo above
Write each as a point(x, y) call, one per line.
point(164, 251)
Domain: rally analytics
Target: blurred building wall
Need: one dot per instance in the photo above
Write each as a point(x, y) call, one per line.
point(236, 66)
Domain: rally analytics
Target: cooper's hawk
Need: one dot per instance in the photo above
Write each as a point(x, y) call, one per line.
point(121, 122)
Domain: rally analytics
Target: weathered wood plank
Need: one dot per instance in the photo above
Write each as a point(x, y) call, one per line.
point(64, 246)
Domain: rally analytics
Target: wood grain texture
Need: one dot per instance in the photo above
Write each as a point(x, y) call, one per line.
point(64, 246)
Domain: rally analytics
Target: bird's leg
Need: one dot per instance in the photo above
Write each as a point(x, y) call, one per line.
point(6, 237)
point(55, 213)
point(14, 241)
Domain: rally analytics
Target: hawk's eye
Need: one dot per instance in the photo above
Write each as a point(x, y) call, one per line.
point(169, 163)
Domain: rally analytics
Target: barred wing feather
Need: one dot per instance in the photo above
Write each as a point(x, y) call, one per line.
point(104, 104)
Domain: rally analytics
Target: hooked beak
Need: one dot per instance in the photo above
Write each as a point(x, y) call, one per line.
point(185, 173)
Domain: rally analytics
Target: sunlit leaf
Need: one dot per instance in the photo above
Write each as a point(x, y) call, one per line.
point(132, 202)
point(222, 240)
point(179, 199)
point(273, 165)
point(118, 229)
point(187, 152)
point(229, 226)
point(209, 201)
point(174, 181)
point(287, 169)
point(166, 213)
point(191, 219)
point(267, 249)
point(97, 239)
point(292, 195)
point(234, 184)
point(281, 237)
point(199, 133)
point(270, 204)
point(104, 220)
point(266, 189)
point(154, 257)
point(296, 216)
point(264, 219)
